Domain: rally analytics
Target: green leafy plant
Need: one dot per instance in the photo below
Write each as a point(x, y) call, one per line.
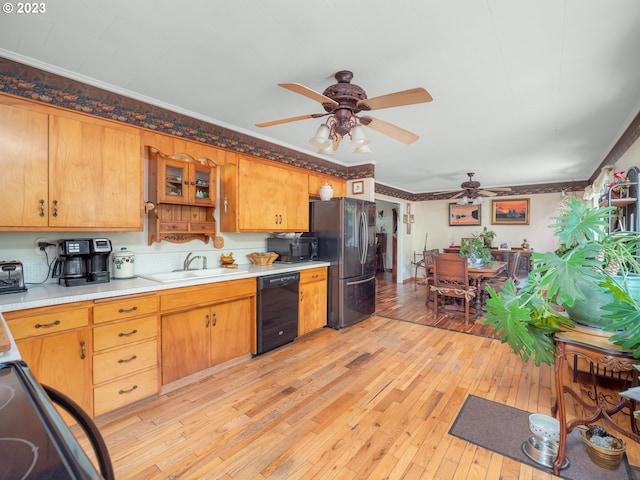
point(589, 259)
point(475, 249)
point(487, 237)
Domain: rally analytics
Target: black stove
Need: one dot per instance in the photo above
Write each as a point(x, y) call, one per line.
point(34, 440)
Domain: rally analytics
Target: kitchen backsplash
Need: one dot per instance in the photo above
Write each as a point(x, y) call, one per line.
point(155, 258)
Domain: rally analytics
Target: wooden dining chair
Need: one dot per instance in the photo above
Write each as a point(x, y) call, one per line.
point(428, 258)
point(451, 280)
point(512, 273)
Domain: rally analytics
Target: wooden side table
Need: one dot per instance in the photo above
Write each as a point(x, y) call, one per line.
point(597, 350)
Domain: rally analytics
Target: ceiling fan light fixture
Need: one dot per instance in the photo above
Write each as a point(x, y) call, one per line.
point(362, 150)
point(328, 150)
point(358, 138)
point(477, 201)
point(321, 138)
point(463, 201)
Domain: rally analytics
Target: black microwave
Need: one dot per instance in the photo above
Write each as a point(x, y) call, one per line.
point(291, 250)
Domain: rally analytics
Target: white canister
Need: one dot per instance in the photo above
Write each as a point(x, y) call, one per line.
point(123, 263)
point(326, 192)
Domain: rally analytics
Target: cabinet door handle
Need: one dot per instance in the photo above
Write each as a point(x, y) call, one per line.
point(47, 325)
point(55, 208)
point(280, 219)
point(42, 208)
point(301, 296)
point(208, 321)
point(215, 319)
point(132, 332)
point(127, 360)
point(83, 350)
point(123, 391)
point(128, 310)
point(225, 202)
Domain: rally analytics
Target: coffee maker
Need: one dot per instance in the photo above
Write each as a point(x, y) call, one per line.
point(83, 261)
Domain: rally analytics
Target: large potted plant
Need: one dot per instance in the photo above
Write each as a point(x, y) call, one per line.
point(591, 263)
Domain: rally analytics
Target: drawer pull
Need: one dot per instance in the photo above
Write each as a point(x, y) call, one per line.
point(47, 325)
point(132, 332)
point(122, 360)
point(135, 387)
point(127, 310)
point(83, 350)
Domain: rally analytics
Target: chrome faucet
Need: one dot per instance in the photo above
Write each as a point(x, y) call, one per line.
point(188, 260)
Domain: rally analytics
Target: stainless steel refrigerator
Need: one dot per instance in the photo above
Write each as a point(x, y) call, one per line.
point(345, 228)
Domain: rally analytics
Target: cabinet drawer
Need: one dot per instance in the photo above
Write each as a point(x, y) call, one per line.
point(52, 322)
point(124, 391)
point(313, 275)
point(192, 297)
point(123, 333)
point(124, 361)
point(174, 227)
point(124, 307)
point(202, 227)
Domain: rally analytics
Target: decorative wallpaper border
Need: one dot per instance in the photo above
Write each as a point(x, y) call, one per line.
point(35, 84)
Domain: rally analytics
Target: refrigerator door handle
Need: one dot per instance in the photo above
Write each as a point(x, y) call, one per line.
point(366, 280)
point(364, 241)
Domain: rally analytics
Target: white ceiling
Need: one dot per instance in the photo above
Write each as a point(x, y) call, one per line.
point(525, 91)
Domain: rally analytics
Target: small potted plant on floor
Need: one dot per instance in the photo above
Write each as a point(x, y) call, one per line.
point(591, 265)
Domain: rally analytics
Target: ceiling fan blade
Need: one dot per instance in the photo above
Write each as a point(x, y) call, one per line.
point(389, 129)
point(398, 99)
point(487, 193)
point(287, 120)
point(309, 93)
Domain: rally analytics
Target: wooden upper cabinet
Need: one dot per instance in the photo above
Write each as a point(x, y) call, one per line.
point(261, 197)
point(188, 183)
point(95, 175)
point(66, 171)
point(316, 181)
point(24, 139)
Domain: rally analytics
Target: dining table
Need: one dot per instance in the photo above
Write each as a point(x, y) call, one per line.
point(478, 274)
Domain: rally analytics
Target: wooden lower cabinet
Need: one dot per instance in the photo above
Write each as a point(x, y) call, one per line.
point(56, 344)
point(125, 359)
point(312, 307)
point(200, 338)
point(62, 361)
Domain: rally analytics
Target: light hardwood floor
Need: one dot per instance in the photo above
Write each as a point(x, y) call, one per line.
point(373, 401)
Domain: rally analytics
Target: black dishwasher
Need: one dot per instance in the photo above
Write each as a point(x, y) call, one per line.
point(277, 314)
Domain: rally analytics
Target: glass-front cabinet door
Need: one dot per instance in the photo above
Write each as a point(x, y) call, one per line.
point(173, 177)
point(188, 183)
point(203, 185)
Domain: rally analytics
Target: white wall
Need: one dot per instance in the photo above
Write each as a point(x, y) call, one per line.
point(432, 224)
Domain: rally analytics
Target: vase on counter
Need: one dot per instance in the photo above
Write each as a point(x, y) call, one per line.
point(326, 192)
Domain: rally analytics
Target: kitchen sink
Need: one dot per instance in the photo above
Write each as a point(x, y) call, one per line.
point(191, 274)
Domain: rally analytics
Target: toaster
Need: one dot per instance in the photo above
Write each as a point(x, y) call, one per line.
point(11, 277)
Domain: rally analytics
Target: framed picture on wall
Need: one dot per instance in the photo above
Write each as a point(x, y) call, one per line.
point(464, 215)
point(510, 212)
point(357, 187)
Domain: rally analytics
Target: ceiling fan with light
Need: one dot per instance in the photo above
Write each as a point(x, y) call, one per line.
point(471, 192)
point(342, 102)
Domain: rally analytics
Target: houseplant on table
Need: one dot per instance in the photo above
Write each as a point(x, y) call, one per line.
point(475, 250)
point(590, 264)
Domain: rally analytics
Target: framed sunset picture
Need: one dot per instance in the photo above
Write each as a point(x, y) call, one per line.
point(510, 212)
point(460, 215)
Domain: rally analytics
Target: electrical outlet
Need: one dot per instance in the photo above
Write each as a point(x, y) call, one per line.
point(45, 242)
